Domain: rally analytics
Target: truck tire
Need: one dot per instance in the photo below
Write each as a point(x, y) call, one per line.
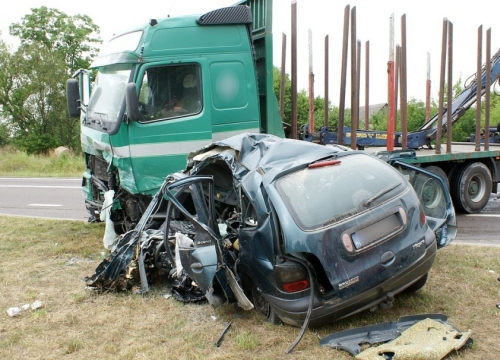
point(436, 170)
point(471, 187)
point(431, 195)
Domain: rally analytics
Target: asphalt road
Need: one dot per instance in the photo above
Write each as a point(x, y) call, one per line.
point(53, 198)
point(56, 198)
point(482, 228)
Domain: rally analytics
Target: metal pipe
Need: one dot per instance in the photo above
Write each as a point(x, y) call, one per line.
point(390, 88)
point(353, 77)
point(311, 84)
point(404, 82)
point(343, 77)
point(428, 90)
point(478, 84)
point(397, 72)
point(439, 125)
point(282, 82)
point(487, 93)
point(355, 102)
point(326, 106)
point(367, 85)
point(449, 110)
point(294, 69)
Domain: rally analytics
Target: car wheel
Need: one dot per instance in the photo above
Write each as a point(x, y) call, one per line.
point(471, 187)
point(263, 307)
point(419, 284)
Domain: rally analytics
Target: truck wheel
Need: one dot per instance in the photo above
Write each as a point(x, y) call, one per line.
point(471, 187)
point(436, 170)
point(431, 195)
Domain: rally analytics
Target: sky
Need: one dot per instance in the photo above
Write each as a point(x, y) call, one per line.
point(424, 26)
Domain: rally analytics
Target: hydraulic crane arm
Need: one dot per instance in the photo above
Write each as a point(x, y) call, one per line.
point(467, 98)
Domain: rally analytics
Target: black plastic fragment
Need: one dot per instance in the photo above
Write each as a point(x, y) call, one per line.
point(221, 337)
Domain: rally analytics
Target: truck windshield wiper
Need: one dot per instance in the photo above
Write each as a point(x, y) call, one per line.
point(379, 194)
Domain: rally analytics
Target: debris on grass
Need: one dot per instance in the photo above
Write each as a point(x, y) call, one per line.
point(16, 311)
point(13, 311)
point(37, 304)
point(429, 334)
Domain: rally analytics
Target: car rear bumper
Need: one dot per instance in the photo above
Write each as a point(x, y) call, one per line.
point(294, 311)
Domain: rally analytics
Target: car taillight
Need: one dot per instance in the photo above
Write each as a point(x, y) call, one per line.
point(290, 276)
point(296, 286)
point(423, 219)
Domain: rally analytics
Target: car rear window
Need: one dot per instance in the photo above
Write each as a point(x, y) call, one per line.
point(318, 196)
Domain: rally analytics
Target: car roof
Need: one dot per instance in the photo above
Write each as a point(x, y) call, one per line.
point(260, 152)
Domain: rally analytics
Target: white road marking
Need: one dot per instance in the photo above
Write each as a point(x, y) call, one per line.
point(483, 215)
point(47, 205)
point(40, 186)
point(41, 178)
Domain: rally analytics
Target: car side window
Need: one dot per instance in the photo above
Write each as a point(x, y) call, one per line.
point(171, 91)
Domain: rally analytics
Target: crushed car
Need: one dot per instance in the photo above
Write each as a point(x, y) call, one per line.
point(301, 232)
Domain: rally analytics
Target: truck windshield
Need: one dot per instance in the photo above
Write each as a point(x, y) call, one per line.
point(108, 93)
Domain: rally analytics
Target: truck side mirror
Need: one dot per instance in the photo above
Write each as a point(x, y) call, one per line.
point(73, 97)
point(132, 102)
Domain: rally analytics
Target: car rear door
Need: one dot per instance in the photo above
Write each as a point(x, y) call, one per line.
point(435, 199)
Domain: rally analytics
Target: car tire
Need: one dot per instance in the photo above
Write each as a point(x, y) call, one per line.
point(471, 187)
point(263, 307)
point(419, 284)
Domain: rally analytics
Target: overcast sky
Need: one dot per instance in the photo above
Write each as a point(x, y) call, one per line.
point(424, 23)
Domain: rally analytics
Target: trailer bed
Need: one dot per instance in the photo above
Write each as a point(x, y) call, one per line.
point(459, 151)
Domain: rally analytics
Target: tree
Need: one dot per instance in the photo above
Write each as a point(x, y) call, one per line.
point(416, 114)
point(74, 37)
point(39, 104)
point(302, 99)
point(32, 82)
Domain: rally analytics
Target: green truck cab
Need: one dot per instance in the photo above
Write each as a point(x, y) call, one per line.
point(167, 88)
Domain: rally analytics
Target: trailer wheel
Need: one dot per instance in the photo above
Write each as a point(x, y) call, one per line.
point(471, 187)
point(436, 170)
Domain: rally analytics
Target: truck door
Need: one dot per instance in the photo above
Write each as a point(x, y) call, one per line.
point(174, 120)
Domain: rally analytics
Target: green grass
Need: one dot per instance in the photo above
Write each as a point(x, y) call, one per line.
point(47, 260)
point(18, 164)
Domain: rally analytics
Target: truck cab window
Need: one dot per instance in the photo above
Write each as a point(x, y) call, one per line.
point(170, 92)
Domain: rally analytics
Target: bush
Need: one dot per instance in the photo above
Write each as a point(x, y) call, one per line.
point(4, 135)
point(36, 143)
